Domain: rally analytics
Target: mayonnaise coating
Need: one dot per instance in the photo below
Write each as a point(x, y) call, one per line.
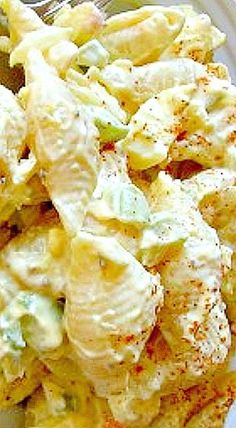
point(192, 275)
point(127, 35)
point(208, 182)
point(66, 142)
point(152, 128)
point(86, 21)
point(208, 126)
point(134, 85)
point(117, 208)
point(198, 38)
point(194, 336)
point(111, 305)
point(192, 122)
point(13, 130)
point(37, 259)
point(15, 170)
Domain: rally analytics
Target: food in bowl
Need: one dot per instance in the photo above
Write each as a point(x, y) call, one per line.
point(118, 193)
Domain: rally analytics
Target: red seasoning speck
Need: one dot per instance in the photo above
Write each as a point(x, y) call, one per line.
point(181, 136)
point(113, 424)
point(108, 147)
point(129, 339)
point(138, 369)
